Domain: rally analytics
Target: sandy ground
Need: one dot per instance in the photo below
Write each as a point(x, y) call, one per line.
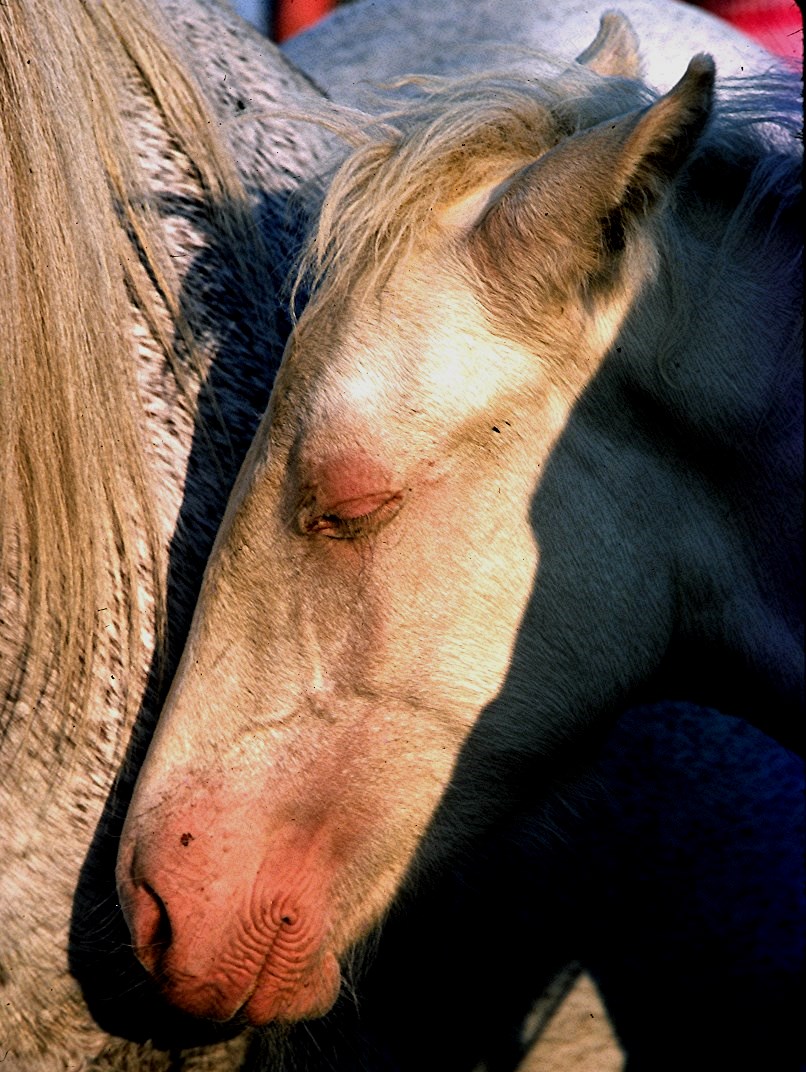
point(578, 1036)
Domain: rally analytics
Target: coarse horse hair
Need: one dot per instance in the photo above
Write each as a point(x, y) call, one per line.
point(82, 254)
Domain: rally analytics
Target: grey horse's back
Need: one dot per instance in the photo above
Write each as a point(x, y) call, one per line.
point(375, 40)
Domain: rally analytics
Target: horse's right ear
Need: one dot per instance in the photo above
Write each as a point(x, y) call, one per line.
point(563, 221)
point(615, 49)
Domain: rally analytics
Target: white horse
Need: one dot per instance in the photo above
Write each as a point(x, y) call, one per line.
point(373, 41)
point(532, 451)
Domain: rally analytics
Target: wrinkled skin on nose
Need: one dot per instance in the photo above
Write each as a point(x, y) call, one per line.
point(226, 927)
point(241, 897)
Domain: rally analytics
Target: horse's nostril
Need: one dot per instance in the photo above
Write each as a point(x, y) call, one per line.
point(162, 933)
point(150, 925)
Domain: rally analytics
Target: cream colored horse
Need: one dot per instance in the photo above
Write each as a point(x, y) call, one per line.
point(532, 450)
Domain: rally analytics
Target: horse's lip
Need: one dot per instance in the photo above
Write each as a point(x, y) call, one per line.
point(263, 999)
point(210, 1001)
point(306, 1001)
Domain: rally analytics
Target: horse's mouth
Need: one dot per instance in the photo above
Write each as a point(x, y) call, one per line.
point(311, 995)
point(277, 992)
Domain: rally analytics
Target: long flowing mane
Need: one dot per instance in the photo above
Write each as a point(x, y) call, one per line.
point(451, 135)
point(81, 247)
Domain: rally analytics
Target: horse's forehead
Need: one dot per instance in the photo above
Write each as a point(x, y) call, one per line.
point(423, 343)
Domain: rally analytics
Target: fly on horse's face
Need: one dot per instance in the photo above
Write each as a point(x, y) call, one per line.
point(438, 556)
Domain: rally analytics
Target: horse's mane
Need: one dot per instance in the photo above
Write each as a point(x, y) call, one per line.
point(448, 136)
point(80, 244)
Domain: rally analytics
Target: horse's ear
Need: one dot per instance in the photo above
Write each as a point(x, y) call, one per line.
point(615, 49)
point(563, 220)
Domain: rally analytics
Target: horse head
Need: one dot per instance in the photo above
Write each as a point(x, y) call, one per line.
point(439, 553)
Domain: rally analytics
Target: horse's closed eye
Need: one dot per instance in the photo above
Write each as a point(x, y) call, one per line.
point(339, 527)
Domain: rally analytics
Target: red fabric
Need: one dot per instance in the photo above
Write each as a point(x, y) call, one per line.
point(291, 16)
point(776, 24)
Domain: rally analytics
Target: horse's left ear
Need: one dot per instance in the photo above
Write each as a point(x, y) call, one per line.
point(563, 220)
point(615, 49)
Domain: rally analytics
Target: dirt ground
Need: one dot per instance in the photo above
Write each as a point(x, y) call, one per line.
point(578, 1036)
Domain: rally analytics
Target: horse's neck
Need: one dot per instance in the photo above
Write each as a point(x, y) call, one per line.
point(745, 347)
point(740, 332)
point(744, 451)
